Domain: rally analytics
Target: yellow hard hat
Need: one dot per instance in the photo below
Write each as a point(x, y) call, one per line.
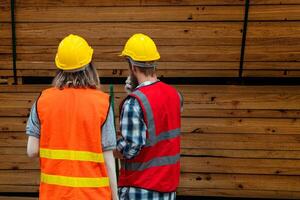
point(140, 47)
point(73, 53)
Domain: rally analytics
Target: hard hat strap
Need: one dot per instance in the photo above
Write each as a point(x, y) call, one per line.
point(142, 64)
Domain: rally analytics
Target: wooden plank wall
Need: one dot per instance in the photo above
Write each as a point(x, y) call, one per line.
point(237, 141)
point(273, 39)
point(195, 38)
point(5, 42)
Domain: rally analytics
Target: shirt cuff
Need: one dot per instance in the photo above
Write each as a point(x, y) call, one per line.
point(36, 135)
point(121, 144)
point(109, 148)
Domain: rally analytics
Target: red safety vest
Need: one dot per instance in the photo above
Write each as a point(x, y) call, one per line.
point(157, 166)
point(71, 158)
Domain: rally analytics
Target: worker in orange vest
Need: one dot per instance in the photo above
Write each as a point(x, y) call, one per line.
point(149, 144)
point(71, 129)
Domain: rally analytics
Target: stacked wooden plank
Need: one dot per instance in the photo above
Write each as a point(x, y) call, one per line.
point(201, 36)
point(237, 141)
point(195, 38)
point(240, 141)
point(5, 42)
point(273, 39)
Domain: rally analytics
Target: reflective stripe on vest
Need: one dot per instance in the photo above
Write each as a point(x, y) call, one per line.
point(71, 155)
point(156, 162)
point(150, 118)
point(164, 136)
point(74, 181)
point(153, 139)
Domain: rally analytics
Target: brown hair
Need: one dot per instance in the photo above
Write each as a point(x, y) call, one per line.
point(85, 78)
point(147, 68)
point(147, 71)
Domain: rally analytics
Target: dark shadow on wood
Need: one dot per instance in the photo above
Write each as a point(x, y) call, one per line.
point(189, 80)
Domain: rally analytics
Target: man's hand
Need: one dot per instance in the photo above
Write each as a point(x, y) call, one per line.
point(118, 154)
point(128, 85)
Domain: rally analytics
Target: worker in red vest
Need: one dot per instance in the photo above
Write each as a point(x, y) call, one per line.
point(71, 129)
point(149, 145)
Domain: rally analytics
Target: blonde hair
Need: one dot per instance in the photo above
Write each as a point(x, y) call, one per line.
point(84, 78)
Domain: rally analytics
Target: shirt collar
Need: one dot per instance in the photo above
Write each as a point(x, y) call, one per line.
point(146, 83)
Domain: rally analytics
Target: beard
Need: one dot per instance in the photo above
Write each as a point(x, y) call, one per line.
point(133, 80)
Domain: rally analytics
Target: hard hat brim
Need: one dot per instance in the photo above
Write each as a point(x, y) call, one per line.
point(154, 58)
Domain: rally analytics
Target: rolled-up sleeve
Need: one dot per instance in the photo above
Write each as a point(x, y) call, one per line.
point(109, 132)
point(33, 123)
point(133, 129)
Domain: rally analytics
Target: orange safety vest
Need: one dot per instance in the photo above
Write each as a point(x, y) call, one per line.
point(71, 158)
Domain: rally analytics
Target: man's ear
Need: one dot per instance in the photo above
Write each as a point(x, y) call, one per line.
point(134, 68)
